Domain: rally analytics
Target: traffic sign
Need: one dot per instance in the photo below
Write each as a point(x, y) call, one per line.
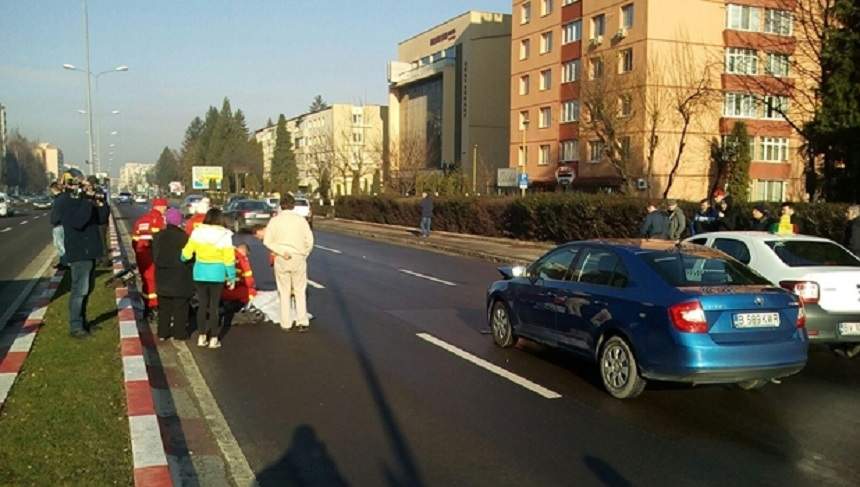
point(523, 180)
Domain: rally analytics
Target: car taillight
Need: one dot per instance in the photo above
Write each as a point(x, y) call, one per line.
point(689, 317)
point(801, 316)
point(246, 214)
point(807, 291)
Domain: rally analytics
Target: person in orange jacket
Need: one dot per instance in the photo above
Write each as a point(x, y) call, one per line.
point(145, 228)
point(200, 209)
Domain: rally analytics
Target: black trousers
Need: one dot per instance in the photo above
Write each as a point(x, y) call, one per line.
point(208, 297)
point(173, 317)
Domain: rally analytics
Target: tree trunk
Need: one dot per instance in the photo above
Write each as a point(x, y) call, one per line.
point(681, 144)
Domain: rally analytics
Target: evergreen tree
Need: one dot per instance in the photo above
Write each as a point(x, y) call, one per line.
point(220, 135)
point(376, 187)
point(206, 134)
point(166, 169)
point(356, 183)
point(284, 176)
point(324, 189)
point(318, 104)
point(270, 123)
point(738, 142)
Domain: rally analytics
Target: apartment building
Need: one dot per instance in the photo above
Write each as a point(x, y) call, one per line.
point(345, 141)
point(52, 157)
point(448, 97)
point(132, 176)
point(636, 64)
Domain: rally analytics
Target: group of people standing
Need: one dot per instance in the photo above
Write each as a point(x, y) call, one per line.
point(199, 261)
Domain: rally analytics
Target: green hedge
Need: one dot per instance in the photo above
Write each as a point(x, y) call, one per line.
point(552, 217)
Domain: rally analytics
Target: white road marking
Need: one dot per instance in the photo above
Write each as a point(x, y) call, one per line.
point(315, 284)
point(24, 222)
point(328, 249)
point(5, 229)
point(429, 278)
point(37, 217)
point(516, 379)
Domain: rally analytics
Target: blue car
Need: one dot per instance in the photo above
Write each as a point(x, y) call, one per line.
point(652, 310)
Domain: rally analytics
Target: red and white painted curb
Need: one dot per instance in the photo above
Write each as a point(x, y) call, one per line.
point(17, 340)
point(147, 447)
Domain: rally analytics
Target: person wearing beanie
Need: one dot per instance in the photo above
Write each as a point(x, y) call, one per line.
point(173, 278)
point(143, 232)
point(200, 209)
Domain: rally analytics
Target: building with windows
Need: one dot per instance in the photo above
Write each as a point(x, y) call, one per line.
point(448, 98)
point(346, 142)
point(132, 176)
point(52, 157)
point(599, 87)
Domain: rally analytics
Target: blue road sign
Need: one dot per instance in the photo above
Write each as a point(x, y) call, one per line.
point(523, 180)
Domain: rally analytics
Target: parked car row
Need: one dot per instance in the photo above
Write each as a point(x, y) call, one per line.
point(729, 307)
point(9, 205)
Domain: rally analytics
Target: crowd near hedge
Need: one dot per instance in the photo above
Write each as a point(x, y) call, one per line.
point(557, 217)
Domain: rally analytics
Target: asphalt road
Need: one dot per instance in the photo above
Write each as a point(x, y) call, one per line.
point(364, 400)
point(22, 238)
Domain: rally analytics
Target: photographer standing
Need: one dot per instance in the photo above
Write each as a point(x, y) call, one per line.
point(80, 214)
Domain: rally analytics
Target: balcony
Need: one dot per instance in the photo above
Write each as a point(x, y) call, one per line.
point(400, 73)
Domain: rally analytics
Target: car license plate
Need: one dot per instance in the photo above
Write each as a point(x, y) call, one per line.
point(756, 320)
point(849, 328)
point(262, 215)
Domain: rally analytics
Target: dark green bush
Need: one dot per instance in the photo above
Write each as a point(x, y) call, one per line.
point(554, 217)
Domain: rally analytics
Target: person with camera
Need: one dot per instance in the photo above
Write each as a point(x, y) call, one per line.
point(80, 213)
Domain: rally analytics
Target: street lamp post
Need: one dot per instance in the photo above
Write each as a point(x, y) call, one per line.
point(525, 157)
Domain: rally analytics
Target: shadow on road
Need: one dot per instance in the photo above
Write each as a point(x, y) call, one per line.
point(605, 472)
point(306, 463)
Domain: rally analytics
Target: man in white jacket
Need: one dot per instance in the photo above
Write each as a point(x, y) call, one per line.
point(288, 236)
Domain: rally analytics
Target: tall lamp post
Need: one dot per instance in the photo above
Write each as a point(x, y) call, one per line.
point(524, 159)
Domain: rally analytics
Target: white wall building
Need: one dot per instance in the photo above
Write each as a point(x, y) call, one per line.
point(133, 175)
point(52, 157)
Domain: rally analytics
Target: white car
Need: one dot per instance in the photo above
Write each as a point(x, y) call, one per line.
point(823, 274)
point(140, 199)
point(5, 205)
point(303, 208)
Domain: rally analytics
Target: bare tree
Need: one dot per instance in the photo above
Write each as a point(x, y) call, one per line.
point(407, 156)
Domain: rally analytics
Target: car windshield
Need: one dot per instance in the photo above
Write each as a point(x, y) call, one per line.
point(252, 206)
point(682, 269)
point(812, 253)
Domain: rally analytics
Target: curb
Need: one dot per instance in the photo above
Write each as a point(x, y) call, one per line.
point(147, 447)
point(17, 340)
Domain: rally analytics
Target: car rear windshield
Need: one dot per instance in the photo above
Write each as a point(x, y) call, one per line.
point(252, 205)
point(302, 203)
point(681, 269)
point(808, 253)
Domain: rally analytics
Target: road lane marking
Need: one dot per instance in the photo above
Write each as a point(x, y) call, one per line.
point(429, 278)
point(315, 284)
point(37, 217)
point(5, 229)
point(24, 222)
point(516, 379)
point(328, 249)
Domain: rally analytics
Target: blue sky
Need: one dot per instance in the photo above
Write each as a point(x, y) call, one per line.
point(268, 56)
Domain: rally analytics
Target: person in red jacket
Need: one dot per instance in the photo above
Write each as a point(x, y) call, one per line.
point(145, 228)
point(245, 288)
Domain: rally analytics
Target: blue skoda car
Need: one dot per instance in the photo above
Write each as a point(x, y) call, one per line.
point(652, 310)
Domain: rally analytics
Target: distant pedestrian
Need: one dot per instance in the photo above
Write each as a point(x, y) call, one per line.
point(677, 221)
point(57, 231)
point(727, 215)
point(173, 278)
point(789, 222)
point(852, 230)
point(655, 225)
point(705, 219)
point(288, 236)
point(211, 245)
point(761, 221)
point(426, 214)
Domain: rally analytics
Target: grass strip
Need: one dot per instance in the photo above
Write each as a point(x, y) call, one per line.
point(65, 422)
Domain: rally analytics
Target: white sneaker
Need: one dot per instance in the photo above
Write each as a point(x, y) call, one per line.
point(202, 341)
point(214, 342)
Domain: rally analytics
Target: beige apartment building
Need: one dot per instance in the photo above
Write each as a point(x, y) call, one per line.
point(638, 64)
point(346, 141)
point(52, 156)
point(448, 98)
point(132, 176)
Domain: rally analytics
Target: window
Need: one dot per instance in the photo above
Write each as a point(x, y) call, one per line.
point(741, 61)
point(775, 107)
point(525, 48)
point(524, 119)
point(598, 26)
point(543, 155)
point(570, 71)
point(545, 7)
point(625, 105)
point(545, 42)
point(742, 105)
point(545, 79)
point(806, 253)
point(568, 2)
point(777, 64)
point(744, 17)
point(570, 150)
point(692, 268)
point(523, 156)
point(601, 267)
point(524, 84)
point(768, 190)
point(774, 149)
point(357, 119)
point(596, 68)
point(595, 151)
point(570, 111)
point(734, 248)
point(545, 117)
point(571, 32)
point(777, 22)
point(626, 60)
point(357, 136)
point(556, 265)
point(627, 16)
point(526, 13)
point(626, 150)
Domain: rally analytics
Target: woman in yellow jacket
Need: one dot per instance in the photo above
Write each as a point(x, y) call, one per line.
point(211, 245)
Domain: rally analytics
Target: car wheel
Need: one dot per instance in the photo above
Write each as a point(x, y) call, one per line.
point(500, 325)
point(846, 350)
point(752, 384)
point(619, 370)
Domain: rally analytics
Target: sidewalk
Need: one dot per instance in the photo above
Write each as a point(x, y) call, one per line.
point(499, 250)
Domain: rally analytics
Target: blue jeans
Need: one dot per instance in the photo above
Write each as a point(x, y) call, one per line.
point(425, 226)
point(59, 242)
point(82, 277)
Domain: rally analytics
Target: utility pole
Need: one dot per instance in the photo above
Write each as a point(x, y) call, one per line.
point(475, 169)
point(89, 86)
point(525, 158)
